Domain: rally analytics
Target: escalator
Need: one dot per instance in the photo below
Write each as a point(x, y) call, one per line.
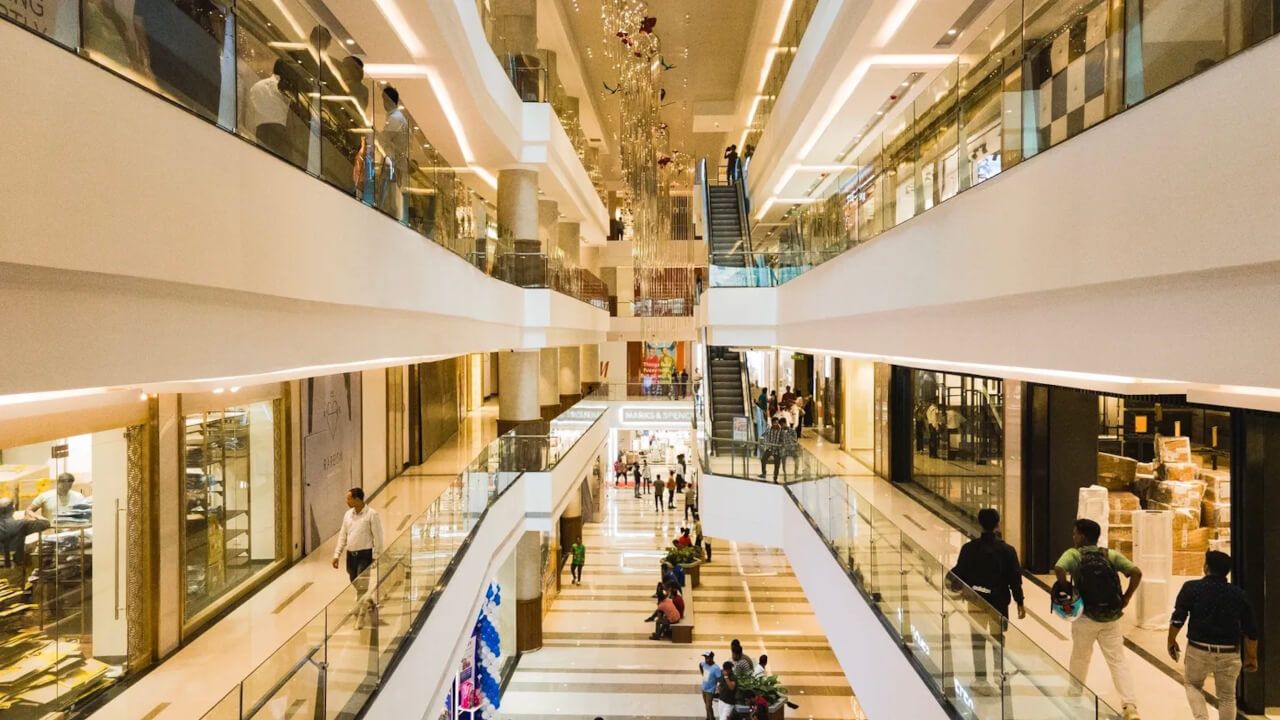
point(728, 393)
point(726, 226)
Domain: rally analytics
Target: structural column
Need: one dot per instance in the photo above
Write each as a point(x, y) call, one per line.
point(549, 382)
point(589, 362)
point(517, 388)
point(569, 241)
point(518, 222)
point(529, 592)
point(571, 519)
point(570, 376)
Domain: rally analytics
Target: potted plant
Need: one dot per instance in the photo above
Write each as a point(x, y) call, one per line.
point(687, 558)
point(752, 686)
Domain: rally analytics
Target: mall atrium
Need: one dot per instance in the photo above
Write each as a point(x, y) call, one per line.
point(622, 359)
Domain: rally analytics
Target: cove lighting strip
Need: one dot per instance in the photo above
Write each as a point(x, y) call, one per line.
point(838, 100)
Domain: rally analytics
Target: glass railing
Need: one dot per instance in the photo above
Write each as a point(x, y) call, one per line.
point(537, 264)
point(1041, 73)
point(333, 664)
point(273, 74)
point(971, 657)
point(799, 13)
point(533, 74)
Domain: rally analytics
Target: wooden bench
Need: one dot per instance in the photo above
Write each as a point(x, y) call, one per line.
point(682, 632)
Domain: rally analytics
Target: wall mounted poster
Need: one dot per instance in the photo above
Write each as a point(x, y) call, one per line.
point(331, 453)
point(659, 361)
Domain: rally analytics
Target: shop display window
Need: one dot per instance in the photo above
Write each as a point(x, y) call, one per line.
point(71, 573)
point(1165, 472)
point(233, 477)
point(957, 443)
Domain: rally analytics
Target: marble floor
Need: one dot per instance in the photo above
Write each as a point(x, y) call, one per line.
point(287, 612)
point(597, 660)
point(1159, 695)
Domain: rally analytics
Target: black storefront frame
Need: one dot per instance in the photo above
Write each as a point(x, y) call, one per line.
point(902, 443)
point(1255, 457)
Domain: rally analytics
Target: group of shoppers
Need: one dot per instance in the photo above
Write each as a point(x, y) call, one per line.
point(790, 406)
point(670, 597)
point(1221, 635)
point(674, 385)
point(720, 684)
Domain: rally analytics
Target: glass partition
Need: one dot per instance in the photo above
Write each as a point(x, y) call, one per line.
point(276, 76)
point(974, 660)
point(331, 666)
point(1040, 73)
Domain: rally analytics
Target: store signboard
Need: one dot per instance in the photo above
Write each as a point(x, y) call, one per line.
point(662, 416)
point(59, 21)
point(741, 428)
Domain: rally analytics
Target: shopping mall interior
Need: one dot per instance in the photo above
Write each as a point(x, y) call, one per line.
point(650, 360)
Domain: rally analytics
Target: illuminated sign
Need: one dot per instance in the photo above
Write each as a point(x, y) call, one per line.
point(649, 415)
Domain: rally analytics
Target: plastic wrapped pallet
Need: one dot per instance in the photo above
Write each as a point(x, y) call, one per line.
point(1173, 449)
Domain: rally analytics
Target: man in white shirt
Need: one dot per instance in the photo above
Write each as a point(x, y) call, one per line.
point(51, 502)
point(395, 139)
point(361, 535)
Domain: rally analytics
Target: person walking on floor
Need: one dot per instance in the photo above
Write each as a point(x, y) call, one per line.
point(690, 502)
point(672, 481)
point(636, 474)
point(1095, 574)
point(771, 449)
point(657, 495)
point(790, 449)
point(990, 567)
point(360, 538)
point(646, 473)
point(1220, 620)
point(711, 674)
point(579, 552)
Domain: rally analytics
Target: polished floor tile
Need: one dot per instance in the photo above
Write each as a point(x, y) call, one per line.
point(597, 659)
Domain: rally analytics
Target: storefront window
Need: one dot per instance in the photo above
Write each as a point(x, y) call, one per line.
point(232, 493)
point(1165, 472)
point(71, 521)
point(957, 448)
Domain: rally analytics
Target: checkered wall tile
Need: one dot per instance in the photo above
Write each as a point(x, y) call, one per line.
point(1068, 70)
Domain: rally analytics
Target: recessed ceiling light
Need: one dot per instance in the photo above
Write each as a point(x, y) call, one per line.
point(879, 112)
point(350, 41)
point(952, 31)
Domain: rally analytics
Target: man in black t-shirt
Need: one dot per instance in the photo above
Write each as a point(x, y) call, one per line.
point(990, 567)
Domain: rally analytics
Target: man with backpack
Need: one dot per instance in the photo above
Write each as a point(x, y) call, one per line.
point(1095, 573)
point(990, 566)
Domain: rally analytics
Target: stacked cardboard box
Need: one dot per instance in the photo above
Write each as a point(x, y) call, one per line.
point(1116, 472)
point(1121, 506)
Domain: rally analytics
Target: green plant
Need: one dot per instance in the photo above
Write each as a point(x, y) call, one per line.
point(767, 686)
point(681, 555)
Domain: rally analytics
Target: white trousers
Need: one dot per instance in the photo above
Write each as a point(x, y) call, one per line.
point(723, 709)
point(1108, 635)
point(1225, 668)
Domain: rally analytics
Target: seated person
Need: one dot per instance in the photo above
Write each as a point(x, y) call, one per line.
point(664, 616)
point(684, 540)
point(14, 531)
point(51, 502)
point(669, 577)
point(677, 599)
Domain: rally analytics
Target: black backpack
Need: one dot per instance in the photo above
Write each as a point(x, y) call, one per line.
point(1098, 583)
